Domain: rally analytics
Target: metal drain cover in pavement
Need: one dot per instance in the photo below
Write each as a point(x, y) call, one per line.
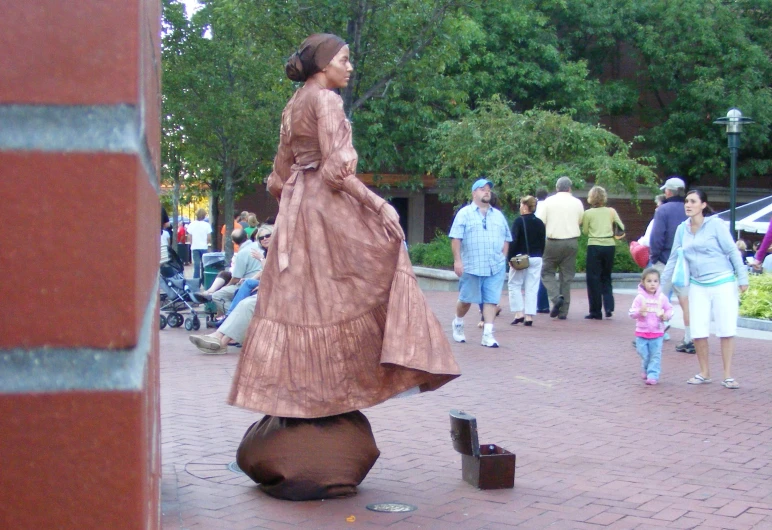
point(391, 507)
point(233, 466)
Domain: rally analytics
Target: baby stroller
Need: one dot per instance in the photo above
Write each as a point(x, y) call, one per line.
point(176, 293)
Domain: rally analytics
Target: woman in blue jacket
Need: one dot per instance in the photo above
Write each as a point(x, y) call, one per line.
point(715, 271)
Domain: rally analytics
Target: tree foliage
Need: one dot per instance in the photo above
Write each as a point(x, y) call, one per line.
point(520, 152)
point(686, 64)
point(222, 103)
point(426, 72)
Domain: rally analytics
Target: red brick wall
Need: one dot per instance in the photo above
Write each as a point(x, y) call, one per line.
point(79, 162)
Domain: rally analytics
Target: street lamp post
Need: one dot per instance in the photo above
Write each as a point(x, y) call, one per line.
point(734, 121)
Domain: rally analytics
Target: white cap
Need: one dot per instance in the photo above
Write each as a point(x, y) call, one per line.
point(673, 183)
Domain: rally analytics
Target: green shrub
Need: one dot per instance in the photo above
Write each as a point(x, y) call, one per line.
point(437, 253)
point(623, 260)
point(756, 302)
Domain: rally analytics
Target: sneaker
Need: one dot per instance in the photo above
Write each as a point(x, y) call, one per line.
point(685, 347)
point(644, 376)
point(651, 381)
point(489, 341)
point(458, 332)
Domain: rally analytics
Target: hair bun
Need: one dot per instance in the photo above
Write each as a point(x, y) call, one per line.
point(294, 68)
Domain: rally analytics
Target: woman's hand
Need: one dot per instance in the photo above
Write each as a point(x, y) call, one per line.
point(256, 254)
point(743, 288)
point(390, 219)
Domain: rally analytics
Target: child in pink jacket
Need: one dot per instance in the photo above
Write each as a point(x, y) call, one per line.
point(650, 310)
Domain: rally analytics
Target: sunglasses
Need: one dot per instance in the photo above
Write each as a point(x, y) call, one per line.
point(264, 237)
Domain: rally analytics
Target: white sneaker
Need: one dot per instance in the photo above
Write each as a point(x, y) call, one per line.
point(458, 331)
point(489, 341)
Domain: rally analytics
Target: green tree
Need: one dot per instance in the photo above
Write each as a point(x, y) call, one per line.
point(222, 102)
point(521, 152)
point(674, 67)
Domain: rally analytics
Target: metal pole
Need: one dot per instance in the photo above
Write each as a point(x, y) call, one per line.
point(734, 146)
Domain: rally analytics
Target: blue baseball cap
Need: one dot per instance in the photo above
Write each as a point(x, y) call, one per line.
point(480, 183)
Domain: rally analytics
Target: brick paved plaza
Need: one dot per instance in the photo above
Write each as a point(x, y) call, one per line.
point(595, 447)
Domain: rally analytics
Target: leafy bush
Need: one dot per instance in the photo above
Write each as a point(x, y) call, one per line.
point(437, 253)
point(623, 260)
point(756, 302)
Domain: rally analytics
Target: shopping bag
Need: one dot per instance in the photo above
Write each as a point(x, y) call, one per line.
point(681, 271)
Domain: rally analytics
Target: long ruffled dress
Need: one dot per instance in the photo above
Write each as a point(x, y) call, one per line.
point(340, 323)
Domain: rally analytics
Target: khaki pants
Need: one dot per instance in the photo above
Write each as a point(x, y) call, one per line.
point(235, 326)
point(223, 298)
point(559, 256)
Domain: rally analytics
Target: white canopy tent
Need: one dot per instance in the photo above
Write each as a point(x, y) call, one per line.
point(753, 217)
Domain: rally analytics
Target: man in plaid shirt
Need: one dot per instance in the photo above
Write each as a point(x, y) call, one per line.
point(480, 239)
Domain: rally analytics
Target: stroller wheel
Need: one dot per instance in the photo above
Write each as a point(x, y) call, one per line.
point(174, 320)
point(188, 324)
point(196, 323)
point(162, 321)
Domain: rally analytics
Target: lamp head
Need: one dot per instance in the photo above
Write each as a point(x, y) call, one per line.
point(734, 121)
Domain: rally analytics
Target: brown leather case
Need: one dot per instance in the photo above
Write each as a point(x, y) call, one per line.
point(486, 466)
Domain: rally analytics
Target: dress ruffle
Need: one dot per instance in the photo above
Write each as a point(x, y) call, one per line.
point(354, 364)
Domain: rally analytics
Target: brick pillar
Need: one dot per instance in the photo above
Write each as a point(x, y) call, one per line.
point(79, 166)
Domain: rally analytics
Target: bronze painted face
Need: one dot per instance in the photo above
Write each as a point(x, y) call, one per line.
point(338, 72)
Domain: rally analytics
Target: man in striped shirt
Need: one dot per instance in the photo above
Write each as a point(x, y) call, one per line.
point(480, 239)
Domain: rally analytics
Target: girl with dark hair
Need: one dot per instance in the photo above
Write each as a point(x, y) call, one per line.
point(340, 323)
point(715, 270)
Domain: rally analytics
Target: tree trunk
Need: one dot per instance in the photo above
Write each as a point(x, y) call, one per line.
point(228, 200)
point(354, 38)
point(214, 213)
point(176, 209)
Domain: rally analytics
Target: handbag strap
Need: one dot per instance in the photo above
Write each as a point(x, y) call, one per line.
point(525, 232)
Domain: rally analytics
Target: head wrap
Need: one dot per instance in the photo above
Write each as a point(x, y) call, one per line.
point(314, 54)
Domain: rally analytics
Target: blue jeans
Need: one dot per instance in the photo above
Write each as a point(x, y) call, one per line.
point(542, 300)
point(245, 291)
point(198, 267)
point(650, 351)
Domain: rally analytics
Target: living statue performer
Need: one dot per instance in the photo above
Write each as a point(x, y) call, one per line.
point(340, 322)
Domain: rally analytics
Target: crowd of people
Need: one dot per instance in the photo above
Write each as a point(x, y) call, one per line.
point(542, 244)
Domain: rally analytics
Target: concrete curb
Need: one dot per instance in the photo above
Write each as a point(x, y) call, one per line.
point(443, 280)
point(754, 323)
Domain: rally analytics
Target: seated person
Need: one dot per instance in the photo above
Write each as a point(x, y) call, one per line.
point(260, 251)
point(220, 281)
point(233, 329)
point(244, 266)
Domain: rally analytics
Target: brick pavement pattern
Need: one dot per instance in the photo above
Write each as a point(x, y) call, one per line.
point(596, 448)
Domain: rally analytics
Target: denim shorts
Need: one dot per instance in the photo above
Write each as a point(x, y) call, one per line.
point(481, 289)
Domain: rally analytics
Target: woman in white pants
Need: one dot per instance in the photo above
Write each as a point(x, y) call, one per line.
point(715, 271)
point(528, 236)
